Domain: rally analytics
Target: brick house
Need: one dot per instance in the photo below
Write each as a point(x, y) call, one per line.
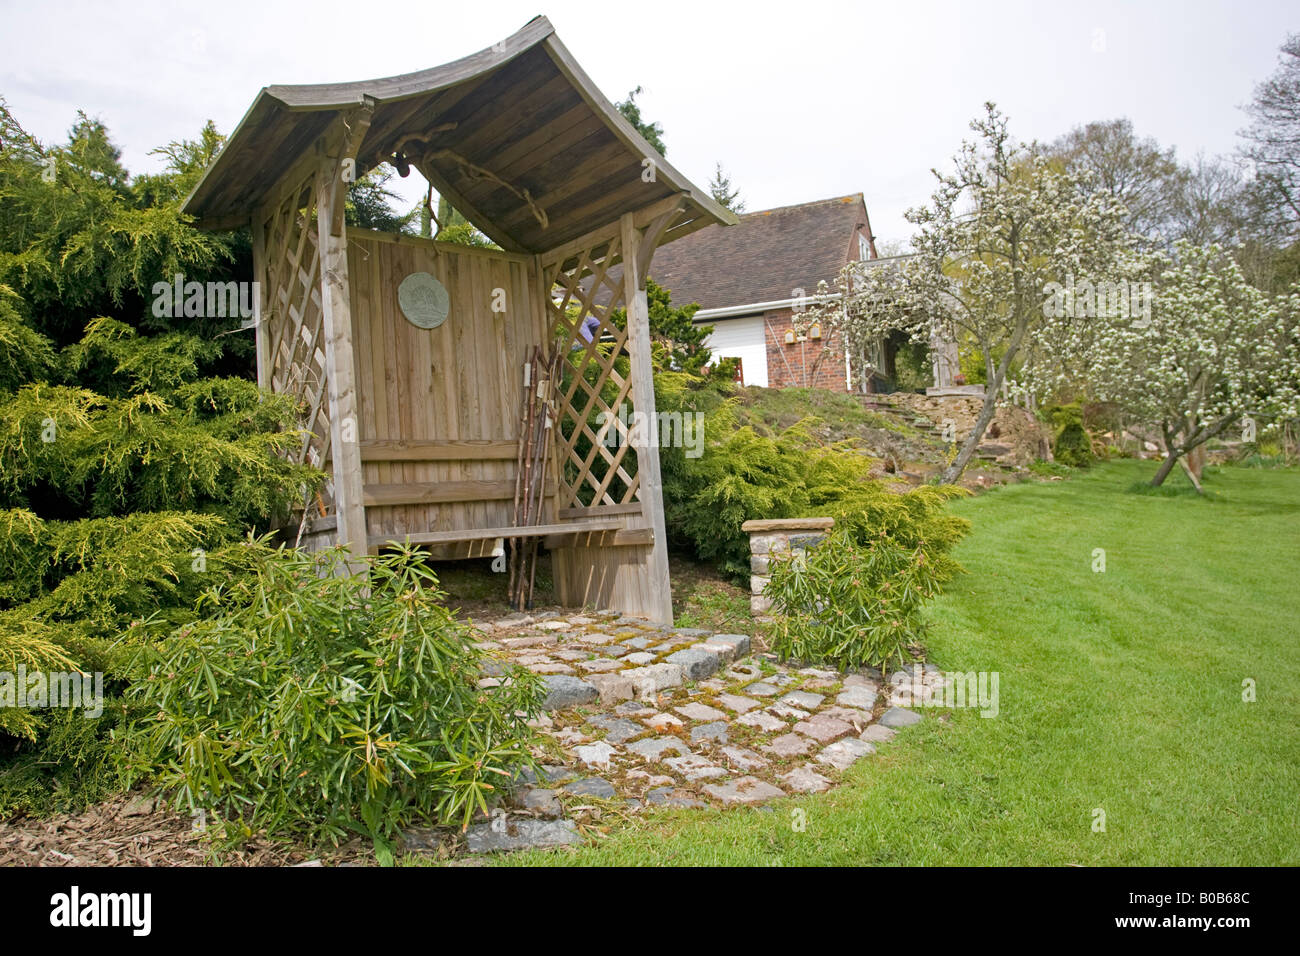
point(748, 280)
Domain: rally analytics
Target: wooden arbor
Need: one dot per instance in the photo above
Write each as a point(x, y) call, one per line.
point(417, 427)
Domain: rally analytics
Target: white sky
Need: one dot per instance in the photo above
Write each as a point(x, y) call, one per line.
point(799, 101)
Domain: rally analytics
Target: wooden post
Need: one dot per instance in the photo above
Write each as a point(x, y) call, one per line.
point(646, 436)
point(332, 247)
point(262, 288)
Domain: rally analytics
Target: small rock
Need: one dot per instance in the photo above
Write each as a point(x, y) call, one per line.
point(632, 708)
point(651, 779)
point(617, 729)
point(697, 711)
point(717, 730)
point(564, 691)
point(554, 772)
point(743, 759)
point(819, 673)
point(855, 695)
point(663, 722)
point(656, 676)
point(744, 790)
point(763, 721)
point(762, 689)
point(844, 753)
point(877, 734)
point(591, 787)
point(595, 755)
point(696, 664)
point(823, 728)
point(740, 705)
point(638, 658)
point(785, 710)
point(542, 801)
point(800, 698)
point(537, 640)
point(690, 632)
point(550, 667)
point(611, 687)
point(899, 717)
point(599, 666)
point(739, 643)
point(805, 780)
point(788, 745)
point(694, 767)
point(553, 626)
point(521, 835)
point(653, 748)
point(671, 797)
point(858, 718)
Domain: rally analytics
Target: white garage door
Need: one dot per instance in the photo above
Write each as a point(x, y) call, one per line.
point(742, 338)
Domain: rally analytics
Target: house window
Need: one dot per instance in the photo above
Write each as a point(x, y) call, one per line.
point(864, 247)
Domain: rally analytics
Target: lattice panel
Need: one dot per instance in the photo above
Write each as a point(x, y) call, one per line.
point(597, 460)
point(295, 321)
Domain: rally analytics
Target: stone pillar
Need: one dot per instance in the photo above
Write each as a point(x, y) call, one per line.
point(778, 536)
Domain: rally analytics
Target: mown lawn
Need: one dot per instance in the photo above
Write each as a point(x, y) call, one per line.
point(1119, 691)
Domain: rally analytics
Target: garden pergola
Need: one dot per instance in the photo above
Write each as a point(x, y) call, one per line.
point(406, 353)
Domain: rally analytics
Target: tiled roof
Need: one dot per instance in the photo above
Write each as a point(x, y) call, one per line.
point(765, 257)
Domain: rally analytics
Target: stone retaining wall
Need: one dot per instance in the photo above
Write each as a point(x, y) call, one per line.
point(777, 536)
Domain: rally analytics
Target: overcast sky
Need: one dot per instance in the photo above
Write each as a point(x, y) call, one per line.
point(799, 101)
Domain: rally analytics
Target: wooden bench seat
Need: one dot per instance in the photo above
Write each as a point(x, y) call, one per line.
point(549, 531)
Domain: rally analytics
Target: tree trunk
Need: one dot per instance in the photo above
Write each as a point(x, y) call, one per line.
point(1165, 468)
point(954, 471)
point(1192, 472)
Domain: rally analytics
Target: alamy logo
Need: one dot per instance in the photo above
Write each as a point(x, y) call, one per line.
point(74, 908)
point(41, 689)
point(663, 430)
point(1105, 299)
point(179, 299)
point(955, 689)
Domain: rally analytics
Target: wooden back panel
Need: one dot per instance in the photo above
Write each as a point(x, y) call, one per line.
point(439, 408)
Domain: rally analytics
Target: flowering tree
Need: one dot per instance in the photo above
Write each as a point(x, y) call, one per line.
point(1000, 227)
point(1213, 354)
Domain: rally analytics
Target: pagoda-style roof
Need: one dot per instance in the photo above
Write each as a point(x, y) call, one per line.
point(516, 137)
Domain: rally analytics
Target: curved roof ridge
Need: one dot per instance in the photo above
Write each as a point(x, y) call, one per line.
point(512, 129)
point(322, 96)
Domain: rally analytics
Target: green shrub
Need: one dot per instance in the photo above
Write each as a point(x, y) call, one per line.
point(849, 603)
point(1071, 444)
point(314, 701)
point(1073, 447)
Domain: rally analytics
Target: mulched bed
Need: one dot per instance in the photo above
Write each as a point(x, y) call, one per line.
point(129, 830)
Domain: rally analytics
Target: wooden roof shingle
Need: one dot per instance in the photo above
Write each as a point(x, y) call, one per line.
point(516, 136)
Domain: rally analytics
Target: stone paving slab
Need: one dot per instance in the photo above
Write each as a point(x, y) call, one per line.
point(642, 717)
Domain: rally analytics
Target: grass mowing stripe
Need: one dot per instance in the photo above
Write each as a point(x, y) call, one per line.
point(1120, 691)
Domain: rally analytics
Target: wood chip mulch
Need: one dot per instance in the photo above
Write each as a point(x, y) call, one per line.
point(130, 830)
